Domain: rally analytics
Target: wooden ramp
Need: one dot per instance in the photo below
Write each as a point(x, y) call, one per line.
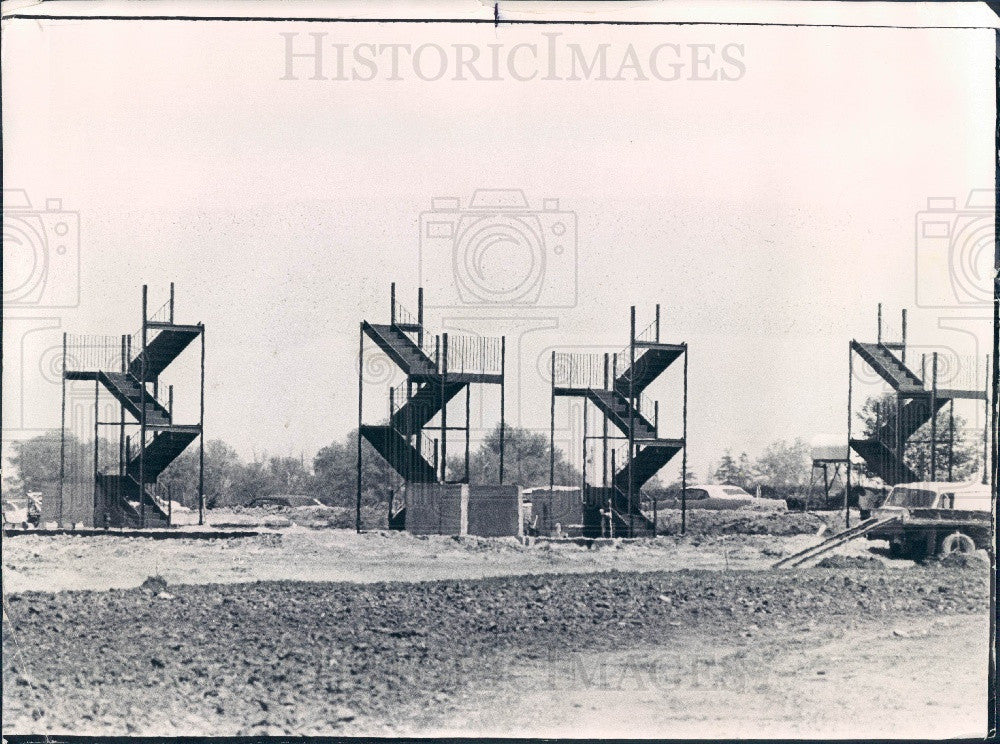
point(859, 530)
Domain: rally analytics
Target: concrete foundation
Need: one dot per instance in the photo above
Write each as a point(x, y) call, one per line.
point(461, 509)
point(437, 509)
point(496, 511)
point(77, 507)
point(559, 511)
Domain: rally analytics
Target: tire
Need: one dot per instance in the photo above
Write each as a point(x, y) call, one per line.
point(957, 542)
point(897, 549)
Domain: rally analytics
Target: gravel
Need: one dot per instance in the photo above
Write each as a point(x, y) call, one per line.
point(313, 658)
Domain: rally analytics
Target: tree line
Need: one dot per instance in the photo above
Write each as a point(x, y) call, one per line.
point(330, 476)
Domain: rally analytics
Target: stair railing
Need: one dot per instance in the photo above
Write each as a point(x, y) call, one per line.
point(163, 314)
point(92, 353)
point(579, 370)
point(474, 354)
point(955, 371)
point(403, 317)
point(648, 334)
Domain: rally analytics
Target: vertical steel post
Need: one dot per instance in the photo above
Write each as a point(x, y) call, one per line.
point(847, 486)
point(826, 486)
point(444, 408)
point(986, 421)
point(934, 369)
point(97, 408)
point(503, 400)
point(410, 438)
point(468, 429)
point(880, 323)
point(951, 438)
point(903, 354)
point(631, 417)
point(420, 316)
point(361, 387)
point(684, 453)
point(604, 432)
point(171, 302)
point(611, 508)
point(657, 322)
point(552, 426)
point(142, 414)
point(900, 444)
point(583, 487)
point(392, 304)
point(119, 484)
point(201, 430)
point(62, 439)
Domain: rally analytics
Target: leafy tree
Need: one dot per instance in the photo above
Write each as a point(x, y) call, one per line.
point(784, 465)
point(526, 460)
point(37, 460)
point(336, 472)
point(735, 472)
point(222, 469)
point(880, 412)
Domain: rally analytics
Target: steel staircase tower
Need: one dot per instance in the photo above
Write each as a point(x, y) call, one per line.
point(917, 401)
point(130, 372)
point(615, 385)
point(437, 368)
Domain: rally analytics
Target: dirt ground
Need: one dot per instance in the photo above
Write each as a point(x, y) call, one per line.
point(305, 629)
point(287, 549)
point(817, 652)
point(827, 681)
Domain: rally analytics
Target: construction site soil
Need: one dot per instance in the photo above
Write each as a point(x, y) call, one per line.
point(291, 547)
point(752, 652)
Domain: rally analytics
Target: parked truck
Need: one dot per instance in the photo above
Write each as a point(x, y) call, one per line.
point(929, 518)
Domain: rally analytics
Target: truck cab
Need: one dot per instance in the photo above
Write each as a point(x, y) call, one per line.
point(932, 517)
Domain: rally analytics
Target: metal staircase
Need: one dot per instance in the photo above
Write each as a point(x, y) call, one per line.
point(615, 385)
point(438, 368)
point(130, 371)
point(918, 400)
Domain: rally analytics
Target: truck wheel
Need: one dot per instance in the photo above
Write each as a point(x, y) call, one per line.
point(957, 542)
point(897, 549)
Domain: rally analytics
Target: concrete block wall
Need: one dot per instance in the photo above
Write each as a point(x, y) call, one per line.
point(437, 509)
point(562, 507)
point(461, 509)
point(77, 506)
point(496, 511)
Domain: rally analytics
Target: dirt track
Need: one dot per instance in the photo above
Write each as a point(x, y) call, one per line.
point(425, 657)
point(299, 553)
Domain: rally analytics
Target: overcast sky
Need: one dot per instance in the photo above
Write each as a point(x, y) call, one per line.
point(767, 212)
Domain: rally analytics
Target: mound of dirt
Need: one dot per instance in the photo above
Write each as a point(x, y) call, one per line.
point(850, 561)
point(154, 584)
point(739, 522)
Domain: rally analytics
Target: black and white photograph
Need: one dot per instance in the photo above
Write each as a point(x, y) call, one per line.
point(464, 369)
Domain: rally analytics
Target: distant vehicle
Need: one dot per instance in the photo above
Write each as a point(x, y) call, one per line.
point(934, 517)
point(23, 511)
point(720, 497)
